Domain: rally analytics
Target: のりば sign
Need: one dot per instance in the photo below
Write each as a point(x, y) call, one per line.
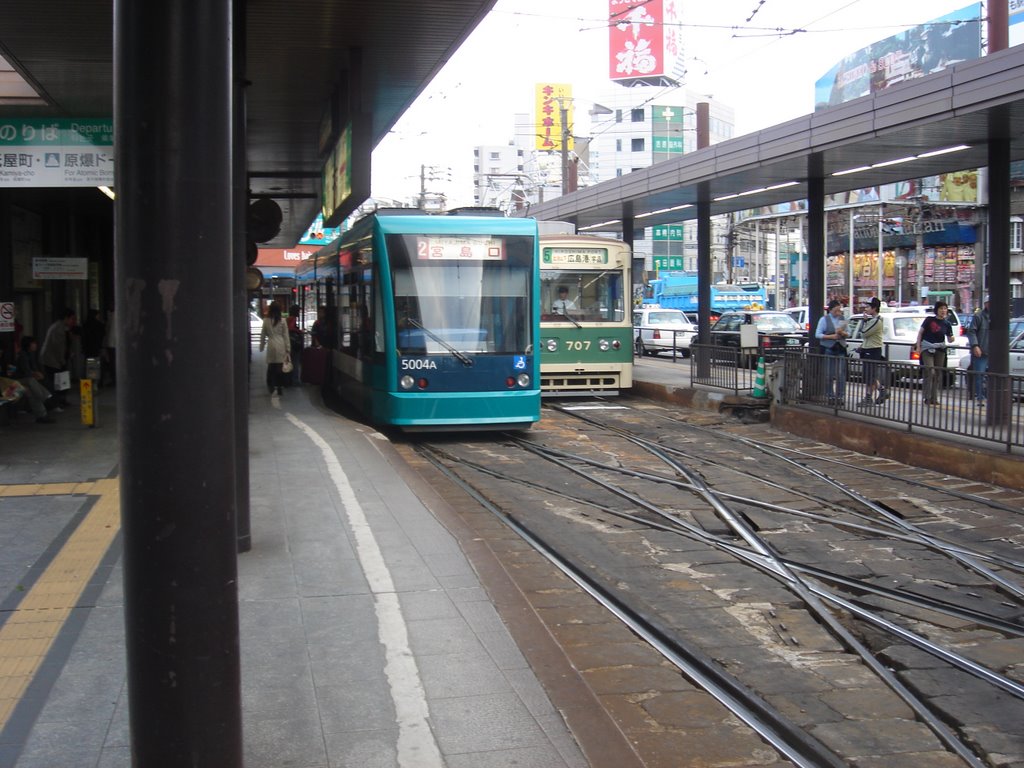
point(56, 153)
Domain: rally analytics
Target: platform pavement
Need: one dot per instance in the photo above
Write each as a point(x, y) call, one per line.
point(348, 570)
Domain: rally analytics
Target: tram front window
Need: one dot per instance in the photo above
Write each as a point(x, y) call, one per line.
point(596, 296)
point(462, 303)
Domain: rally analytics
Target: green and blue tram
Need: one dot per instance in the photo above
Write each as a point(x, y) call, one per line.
point(432, 319)
point(586, 323)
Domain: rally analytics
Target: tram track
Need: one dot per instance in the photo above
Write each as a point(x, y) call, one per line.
point(594, 475)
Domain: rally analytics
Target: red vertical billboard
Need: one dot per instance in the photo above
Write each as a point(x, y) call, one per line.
point(643, 42)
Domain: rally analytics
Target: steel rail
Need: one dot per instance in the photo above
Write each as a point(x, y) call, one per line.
point(770, 563)
point(868, 470)
point(812, 600)
point(957, 554)
point(788, 738)
point(675, 524)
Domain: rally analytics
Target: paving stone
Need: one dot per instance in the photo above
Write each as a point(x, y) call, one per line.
point(1003, 747)
point(1001, 654)
point(805, 709)
point(728, 745)
point(637, 653)
point(868, 703)
point(936, 759)
point(625, 679)
point(981, 707)
point(860, 738)
point(591, 613)
point(771, 677)
point(687, 710)
point(591, 634)
point(628, 712)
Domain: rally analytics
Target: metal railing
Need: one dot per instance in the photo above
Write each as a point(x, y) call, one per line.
point(949, 405)
point(809, 379)
point(677, 351)
point(728, 368)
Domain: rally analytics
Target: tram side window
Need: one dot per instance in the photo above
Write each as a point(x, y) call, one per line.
point(356, 321)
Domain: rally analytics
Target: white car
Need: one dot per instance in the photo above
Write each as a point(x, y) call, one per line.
point(899, 335)
point(801, 314)
point(662, 330)
point(1016, 367)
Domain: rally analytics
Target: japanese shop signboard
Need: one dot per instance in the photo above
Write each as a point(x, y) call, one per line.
point(644, 43)
point(552, 98)
point(56, 153)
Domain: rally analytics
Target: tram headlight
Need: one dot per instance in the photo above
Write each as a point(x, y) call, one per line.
point(616, 344)
point(604, 345)
point(552, 345)
point(523, 380)
point(406, 382)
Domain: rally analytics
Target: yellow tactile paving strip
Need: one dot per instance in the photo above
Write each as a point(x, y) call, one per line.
point(30, 630)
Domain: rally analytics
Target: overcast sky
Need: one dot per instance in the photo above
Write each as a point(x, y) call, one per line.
point(760, 57)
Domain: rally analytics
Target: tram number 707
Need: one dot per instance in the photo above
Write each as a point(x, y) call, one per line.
point(577, 345)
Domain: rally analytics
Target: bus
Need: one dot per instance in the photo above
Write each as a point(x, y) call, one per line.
point(432, 319)
point(586, 324)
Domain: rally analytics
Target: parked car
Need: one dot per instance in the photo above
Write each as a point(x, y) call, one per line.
point(802, 315)
point(1016, 367)
point(775, 331)
point(662, 330)
point(899, 334)
point(1016, 326)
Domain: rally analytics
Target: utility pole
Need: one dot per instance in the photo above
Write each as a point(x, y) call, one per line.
point(563, 115)
point(435, 173)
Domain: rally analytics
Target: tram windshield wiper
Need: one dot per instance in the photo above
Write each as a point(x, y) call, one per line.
point(571, 319)
point(466, 360)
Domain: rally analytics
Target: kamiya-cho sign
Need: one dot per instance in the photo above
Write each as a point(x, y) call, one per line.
point(56, 153)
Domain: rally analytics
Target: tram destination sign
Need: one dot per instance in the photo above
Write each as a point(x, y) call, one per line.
point(56, 153)
point(471, 248)
point(574, 256)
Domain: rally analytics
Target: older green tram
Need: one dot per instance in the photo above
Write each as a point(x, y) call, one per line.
point(586, 318)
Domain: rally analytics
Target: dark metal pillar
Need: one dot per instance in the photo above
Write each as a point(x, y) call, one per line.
point(173, 268)
point(240, 303)
point(999, 402)
point(815, 243)
point(636, 265)
point(704, 267)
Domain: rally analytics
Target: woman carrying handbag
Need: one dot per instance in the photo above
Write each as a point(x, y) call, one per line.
point(274, 338)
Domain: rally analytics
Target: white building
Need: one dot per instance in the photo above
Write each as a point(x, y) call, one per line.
point(633, 128)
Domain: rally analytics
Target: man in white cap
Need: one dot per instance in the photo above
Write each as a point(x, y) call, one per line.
point(977, 336)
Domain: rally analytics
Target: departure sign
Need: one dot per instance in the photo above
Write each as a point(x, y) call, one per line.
point(575, 256)
point(464, 248)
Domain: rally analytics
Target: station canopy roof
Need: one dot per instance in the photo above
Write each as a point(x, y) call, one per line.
point(297, 51)
point(940, 123)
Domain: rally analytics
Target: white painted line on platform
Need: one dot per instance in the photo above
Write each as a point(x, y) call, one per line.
point(417, 747)
point(595, 407)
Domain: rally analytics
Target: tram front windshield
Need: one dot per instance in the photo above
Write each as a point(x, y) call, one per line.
point(593, 296)
point(468, 293)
